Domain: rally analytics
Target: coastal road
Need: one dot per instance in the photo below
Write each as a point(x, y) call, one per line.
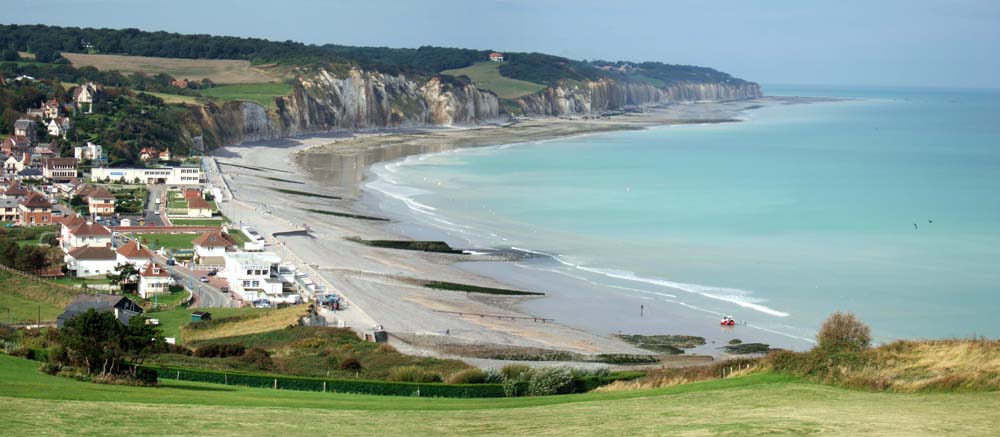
point(206, 295)
point(155, 192)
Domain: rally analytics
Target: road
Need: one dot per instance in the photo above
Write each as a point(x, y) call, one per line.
point(206, 295)
point(155, 192)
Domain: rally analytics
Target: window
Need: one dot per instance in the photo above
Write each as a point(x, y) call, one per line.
point(249, 272)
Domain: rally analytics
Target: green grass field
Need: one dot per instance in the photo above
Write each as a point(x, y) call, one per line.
point(485, 75)
point(172, 321)
point(263, 93)
point(197, 222)
point(35, 403)
point(24, 300)
point(170, 241)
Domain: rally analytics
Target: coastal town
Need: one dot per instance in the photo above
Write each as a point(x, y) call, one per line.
point(156, 227)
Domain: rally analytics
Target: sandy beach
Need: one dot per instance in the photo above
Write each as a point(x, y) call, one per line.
point(379, 283)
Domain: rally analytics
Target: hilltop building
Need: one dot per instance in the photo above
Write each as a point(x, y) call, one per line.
point(496, 57)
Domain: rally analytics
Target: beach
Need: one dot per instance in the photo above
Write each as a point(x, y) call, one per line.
point(300, 183)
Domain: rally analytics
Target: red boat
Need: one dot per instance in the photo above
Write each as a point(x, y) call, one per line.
point(728, 321)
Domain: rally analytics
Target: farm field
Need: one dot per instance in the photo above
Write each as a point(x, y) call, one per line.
point(263, 93)
point(220, 71)
point(753, 405)
point(486, 75)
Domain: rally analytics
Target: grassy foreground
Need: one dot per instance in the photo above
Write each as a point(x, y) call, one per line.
point(759, 404)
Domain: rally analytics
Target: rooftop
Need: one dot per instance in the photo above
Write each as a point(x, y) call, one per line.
point(133, 249)
point(93, 253)
point(254, 258)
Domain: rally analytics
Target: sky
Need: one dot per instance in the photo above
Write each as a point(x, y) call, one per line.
point(946, 43)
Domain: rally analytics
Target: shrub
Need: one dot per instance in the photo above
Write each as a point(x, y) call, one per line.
point(735, 341)
point(412, 374)
point(350, 364)
point(338, 385)
point(514, 371)
point(467, 376)
point(259, 358)
point(551, 381)
point(492, 376)
point(214, 350)
point(844, 332)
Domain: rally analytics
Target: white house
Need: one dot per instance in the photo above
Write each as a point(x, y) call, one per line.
point(157, 175)
point(59, 127)
point(91, 261)
point(153, 279)
point(253, 275)
point(496, 57)
point(77, 232)
point(89, 151)
point(84, 96)
point(134, 253)
point(210, 248)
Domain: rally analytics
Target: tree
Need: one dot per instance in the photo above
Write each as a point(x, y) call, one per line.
point(843, 332)
point(98, 343)
point(126, 276)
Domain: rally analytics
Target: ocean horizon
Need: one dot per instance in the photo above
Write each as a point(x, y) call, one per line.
point(882, 204)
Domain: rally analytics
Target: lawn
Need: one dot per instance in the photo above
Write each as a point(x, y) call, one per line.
point(172, 321)
point(197, 222)
point(174, 98)
point(263, 93)
point(170, 241)
point(486, 75)
point(28, 300)
point(753, 405)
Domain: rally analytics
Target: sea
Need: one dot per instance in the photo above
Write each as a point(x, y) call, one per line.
point(884, 203)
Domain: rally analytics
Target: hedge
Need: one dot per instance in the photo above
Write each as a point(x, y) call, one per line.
point(359, 386)
point(588, 383)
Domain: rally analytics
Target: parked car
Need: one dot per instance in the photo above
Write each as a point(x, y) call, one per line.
point(224, 289)
point(213, 273)
point(203, 279)
point(171, 262)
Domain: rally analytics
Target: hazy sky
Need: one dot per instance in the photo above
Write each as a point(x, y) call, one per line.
point(875, 42)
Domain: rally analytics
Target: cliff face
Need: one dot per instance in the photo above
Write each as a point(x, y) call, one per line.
point(359, 99)
point(605, 95)
point(323, 102)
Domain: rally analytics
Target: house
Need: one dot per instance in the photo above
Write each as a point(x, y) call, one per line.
point(123, 308)
point(34, 210)
point(100, 201)
point(76, 231)
point(496, 57)
point(8, 209)
point(210, 248)
point(48, 150)
point(28, 174)
point(14, 163)
point(165, 155)
point(199, 207)
point(148, 153)
point(91, 261)
point(14, 144)
point(59, 169)
point(253, 275)
point(134, 253)
point(184, 175)
point(14, 191)
point(182, 83)
point(51, 109)
point(89, 151)
point(59, 127)
point(85, 96)
point(36, 113)
point(153, 279)
point(26, 128)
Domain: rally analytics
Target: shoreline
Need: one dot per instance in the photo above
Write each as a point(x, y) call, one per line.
point(339, 165)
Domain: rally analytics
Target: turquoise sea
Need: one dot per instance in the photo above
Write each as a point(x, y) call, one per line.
point(886, 204)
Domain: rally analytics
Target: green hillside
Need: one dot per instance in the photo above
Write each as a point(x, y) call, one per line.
point(35, 403)
point(486, 75)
